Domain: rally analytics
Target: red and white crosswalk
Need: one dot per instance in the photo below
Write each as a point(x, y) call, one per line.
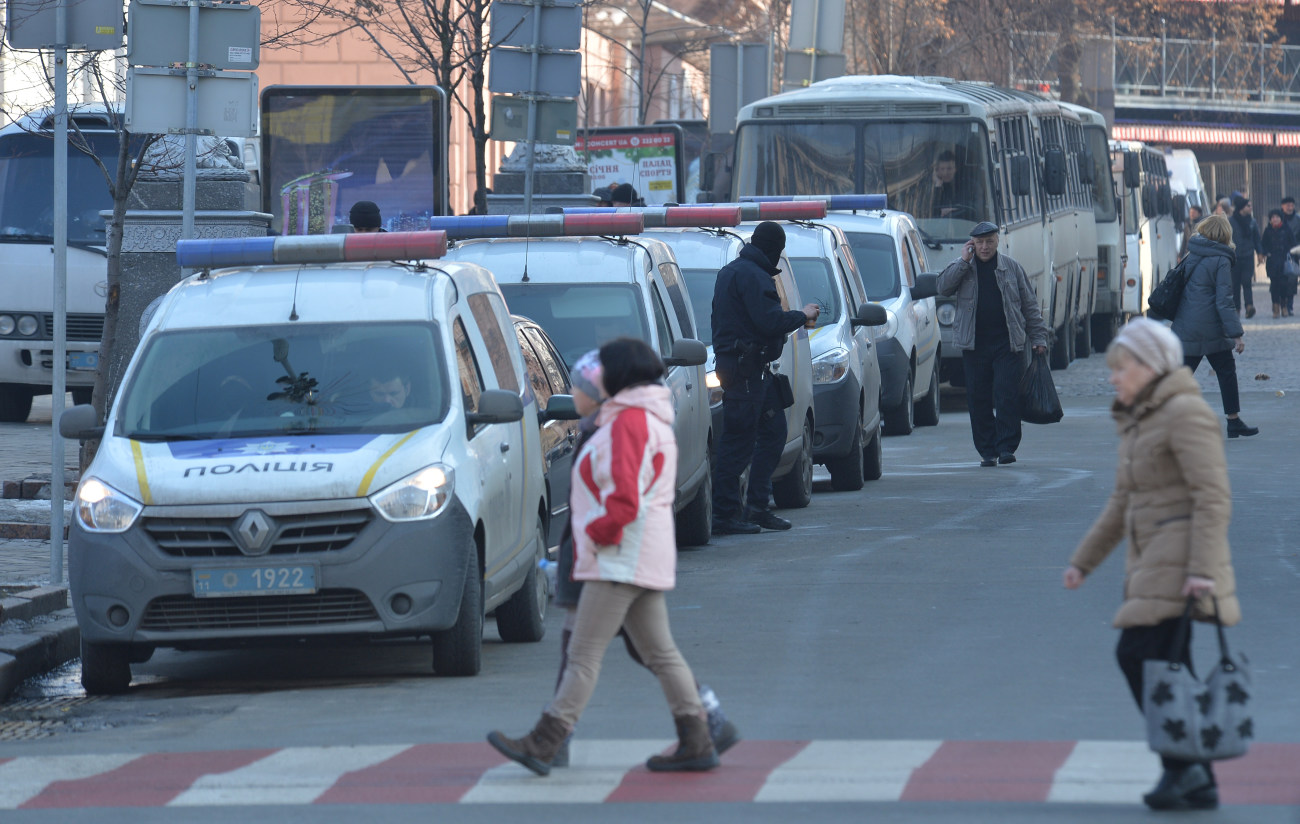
point(609, 771)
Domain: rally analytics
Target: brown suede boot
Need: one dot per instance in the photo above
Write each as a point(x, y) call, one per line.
point(536, 749)
point(695, 751)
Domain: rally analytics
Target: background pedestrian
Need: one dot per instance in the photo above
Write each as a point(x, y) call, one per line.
point(992, 341)
point(1171, 504)
point(365, 218)
point(1206, 322)
point(1276, 243)
point(1245, 241)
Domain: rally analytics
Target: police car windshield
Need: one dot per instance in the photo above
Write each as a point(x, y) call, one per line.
point(579, 317)
point(236, 382)
point(877, 259)
point(817, 285)
point(700, 283)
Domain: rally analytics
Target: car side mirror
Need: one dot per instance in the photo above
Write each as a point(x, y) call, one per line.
point(80, 423)
point(497, 406)
point(870, 314)
point(1054, 170)
point(1085, 167)
point(559, 408)
point(687, 352)
point(1021, 176)
point(927, 286)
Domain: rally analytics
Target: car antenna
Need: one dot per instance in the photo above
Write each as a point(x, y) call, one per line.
point(293, 310)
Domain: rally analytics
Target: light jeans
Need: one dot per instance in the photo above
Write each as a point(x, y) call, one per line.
point(603, 608)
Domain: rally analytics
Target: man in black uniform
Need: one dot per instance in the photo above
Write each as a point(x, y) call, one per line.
point(749, 330)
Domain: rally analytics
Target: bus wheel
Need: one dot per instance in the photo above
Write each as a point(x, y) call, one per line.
point(1083, 342)
point(1104, 329)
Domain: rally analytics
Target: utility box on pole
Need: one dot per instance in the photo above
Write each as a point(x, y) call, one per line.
point(535, 59)
point(815, 48)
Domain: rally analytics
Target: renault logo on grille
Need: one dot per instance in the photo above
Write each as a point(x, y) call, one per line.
point(253, 532)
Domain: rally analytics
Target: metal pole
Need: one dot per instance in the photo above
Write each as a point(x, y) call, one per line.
point(812, 60)
point(1114, 49)
point(1164, 63)
point(60, 287)
point(1214, 65)
point(191, 123)
point(532, 107)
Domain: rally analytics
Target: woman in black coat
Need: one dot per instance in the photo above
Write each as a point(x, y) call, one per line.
point(1206, 321)
point(1276, 242)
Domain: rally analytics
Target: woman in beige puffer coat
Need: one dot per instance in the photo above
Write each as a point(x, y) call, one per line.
point(1172, 506)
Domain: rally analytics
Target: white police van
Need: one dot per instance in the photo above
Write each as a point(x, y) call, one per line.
point(584, 280)
point(846, 373)
point(700, 253)
point(303, 447)
point(891, 261)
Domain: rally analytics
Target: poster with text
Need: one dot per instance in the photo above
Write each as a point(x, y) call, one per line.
point(646, 159)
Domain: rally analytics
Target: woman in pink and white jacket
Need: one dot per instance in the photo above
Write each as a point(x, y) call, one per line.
point(624, 482)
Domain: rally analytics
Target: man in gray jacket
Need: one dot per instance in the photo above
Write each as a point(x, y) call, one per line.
point(997, 314)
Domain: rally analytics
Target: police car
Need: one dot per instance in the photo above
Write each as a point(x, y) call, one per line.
point(701, 250)
point(891, 261)
point(584, 280)
point(845, 371)
point(312, 440)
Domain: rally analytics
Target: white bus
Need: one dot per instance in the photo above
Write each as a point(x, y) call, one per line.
point(27, 258)
point(1108, 274)
point(1150, 232)
point(951, 153)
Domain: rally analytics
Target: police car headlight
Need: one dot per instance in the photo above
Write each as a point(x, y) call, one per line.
point(890, 329)
point(417, 496)
point(27, 325)
point(101, 508)
point(946, 313)
point(715, 388)
point(7, 325)
point(831, 366)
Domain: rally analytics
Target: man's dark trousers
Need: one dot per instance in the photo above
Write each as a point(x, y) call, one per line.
point(1242, 274)
point(753, 436)
point(993, 382)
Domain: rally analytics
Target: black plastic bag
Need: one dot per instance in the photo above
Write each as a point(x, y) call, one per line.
point(1038, 400)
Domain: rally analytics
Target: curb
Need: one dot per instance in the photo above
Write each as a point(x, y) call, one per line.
point(33, 648)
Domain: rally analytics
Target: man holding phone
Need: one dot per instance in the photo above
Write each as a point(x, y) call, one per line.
point(997, 316)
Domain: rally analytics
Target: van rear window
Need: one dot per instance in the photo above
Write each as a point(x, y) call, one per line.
point(236, 382)
point(579, 317)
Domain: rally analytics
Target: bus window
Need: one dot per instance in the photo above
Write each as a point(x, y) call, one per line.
point(26, 186)
point(785, 158)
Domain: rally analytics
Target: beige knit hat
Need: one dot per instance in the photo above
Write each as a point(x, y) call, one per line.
point(1151, 343)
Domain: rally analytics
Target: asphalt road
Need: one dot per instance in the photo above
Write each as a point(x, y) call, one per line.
point(917, 626)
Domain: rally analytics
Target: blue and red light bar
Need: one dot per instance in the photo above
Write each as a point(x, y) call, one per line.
point(657, 217)
point(834, 203)
point(606, 222)
point(351, 248)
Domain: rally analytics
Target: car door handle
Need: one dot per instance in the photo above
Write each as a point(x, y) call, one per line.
point(690, 386)
point(505, 446)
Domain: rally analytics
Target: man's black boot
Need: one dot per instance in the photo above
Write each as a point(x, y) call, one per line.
point(766, 518)
point(1007, 458)
point(1237, 428)
point(734, 526)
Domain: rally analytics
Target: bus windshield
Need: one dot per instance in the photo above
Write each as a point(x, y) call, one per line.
point(935, 170)
point(1103, 193)
point(27, 188)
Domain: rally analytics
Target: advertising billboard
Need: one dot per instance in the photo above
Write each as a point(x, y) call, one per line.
point(647, 157)
point(326, 147)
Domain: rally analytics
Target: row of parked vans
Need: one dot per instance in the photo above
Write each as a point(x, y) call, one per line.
point(370, 435)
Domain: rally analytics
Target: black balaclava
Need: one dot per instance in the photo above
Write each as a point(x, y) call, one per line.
point(769, 237)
